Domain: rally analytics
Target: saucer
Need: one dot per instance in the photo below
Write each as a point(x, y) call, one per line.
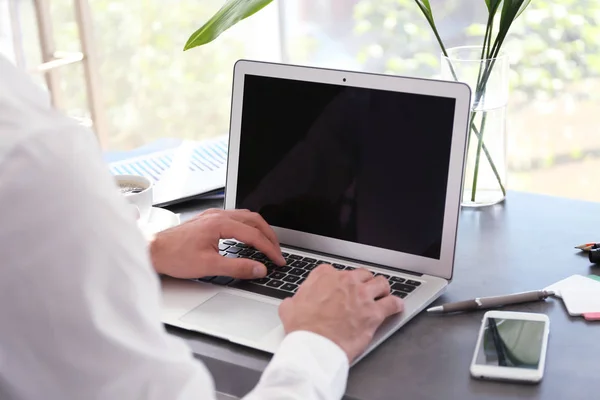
point(160, 219)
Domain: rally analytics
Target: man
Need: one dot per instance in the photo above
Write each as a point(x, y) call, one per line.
point(79, 293)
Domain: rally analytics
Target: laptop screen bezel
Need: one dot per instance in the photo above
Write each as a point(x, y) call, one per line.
point(442, 267)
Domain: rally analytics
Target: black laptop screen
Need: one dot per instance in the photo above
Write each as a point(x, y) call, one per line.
point(362, 165)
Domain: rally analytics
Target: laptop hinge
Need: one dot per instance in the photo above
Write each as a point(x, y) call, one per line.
point(394, 269)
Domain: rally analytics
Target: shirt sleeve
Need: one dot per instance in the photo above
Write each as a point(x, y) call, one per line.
point(307, 366)
point(77, 282)
point(79, 299)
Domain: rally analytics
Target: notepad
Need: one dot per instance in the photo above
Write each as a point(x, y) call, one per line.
point(579, 302)
point(576, 282)
point(580, 294)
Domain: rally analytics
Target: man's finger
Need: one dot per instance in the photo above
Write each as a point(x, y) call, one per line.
point(362, 274)
point(255, 220)
point(230, 228)
point(377, 287)
point(390, 305)
point(242, 268)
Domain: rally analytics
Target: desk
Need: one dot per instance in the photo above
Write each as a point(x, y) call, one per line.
point(524, 244)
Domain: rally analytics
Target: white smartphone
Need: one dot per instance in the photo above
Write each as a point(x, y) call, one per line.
point(511, 346)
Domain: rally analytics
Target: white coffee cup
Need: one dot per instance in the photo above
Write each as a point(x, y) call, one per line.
point(142, 198)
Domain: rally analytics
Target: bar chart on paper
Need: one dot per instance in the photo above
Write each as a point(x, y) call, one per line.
point(191, 169)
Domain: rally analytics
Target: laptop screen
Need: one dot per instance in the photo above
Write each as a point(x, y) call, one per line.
point(361, 165)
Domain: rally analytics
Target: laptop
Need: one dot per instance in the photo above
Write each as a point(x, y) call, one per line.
point(351, 169)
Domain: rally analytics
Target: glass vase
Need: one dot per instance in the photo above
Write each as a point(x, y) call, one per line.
point(485, 170)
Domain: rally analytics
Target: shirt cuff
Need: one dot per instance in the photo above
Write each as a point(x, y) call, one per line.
point(322, 361)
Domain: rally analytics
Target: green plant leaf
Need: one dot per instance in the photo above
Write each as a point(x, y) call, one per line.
point(510, 8)
point(232, 12)
point(523, 7)
point(495, 6)
point(492, 5)
point(425, 4)
point(426, 9)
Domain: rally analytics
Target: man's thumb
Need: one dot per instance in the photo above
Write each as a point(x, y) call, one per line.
point(241, 268)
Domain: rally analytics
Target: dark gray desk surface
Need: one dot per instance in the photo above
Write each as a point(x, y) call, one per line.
point(524, 244)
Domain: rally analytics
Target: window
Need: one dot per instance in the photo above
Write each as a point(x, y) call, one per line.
point(553, 139)
point(151, 89)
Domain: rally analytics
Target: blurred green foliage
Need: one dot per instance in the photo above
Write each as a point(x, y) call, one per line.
point(553, 45)
point(151, 88)
point(397, 38)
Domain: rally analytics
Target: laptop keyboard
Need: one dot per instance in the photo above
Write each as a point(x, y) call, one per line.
point(282, 282)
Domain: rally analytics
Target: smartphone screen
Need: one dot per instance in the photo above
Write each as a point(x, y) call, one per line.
point(512, 343)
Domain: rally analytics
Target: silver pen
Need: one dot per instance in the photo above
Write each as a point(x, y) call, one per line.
point(490, 302)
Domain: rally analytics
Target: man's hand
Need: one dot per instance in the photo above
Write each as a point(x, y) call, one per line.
point(343, 306)
point(191, 250)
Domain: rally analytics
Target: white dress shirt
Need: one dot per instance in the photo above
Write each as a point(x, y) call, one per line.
point(79, 299)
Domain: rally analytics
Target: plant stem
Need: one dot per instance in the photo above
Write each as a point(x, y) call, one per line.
point(489, 158)
point(478, 155)
point(486, 37)
point(488, 45)
point(482, 81)
point(472, 126)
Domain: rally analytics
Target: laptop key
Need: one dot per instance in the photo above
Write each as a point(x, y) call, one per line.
point(397, 279)
point(297, 271)
point(276, 275)
point(285, 254)
point(402, 287)
point(222, 252)
point(301, 281)
point(274, 283)
point(242, 245)
point(306, 274)
point(384, 275)
point(285, 268)
point(260, 281)
point(206, 278)
point(291, 278)
point(290, 287)
point(231, 255)
point(339, 266)
point(271, 266)
point(233, 250)
point(222, 280)
point(229, 242)
point(299, 264)
point(399, 294)
point(295, 256)
point(246, 252)
point(265, 290)
point(350, 268)
point(309, 260)
point(259, 256)
point(414, 283)
point(223, 246)
point(310, 267)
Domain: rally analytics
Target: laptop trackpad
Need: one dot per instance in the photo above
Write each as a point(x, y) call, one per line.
point(232, 315)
